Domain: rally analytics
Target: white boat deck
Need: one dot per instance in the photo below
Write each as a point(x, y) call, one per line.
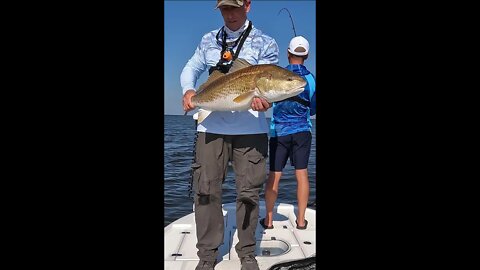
point(180, 240)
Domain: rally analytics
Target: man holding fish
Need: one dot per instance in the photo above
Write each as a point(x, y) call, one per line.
point(244, 80)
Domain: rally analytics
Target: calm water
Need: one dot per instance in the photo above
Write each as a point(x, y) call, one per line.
point(179, 136)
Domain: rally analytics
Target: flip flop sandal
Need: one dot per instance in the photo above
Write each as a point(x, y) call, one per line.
point(262, 222)
point(304, 227)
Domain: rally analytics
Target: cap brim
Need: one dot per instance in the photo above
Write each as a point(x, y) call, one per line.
point(227, 5)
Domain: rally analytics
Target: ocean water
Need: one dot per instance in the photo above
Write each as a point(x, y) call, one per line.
point(179, 136)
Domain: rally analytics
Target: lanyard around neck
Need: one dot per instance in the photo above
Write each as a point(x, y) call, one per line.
point(240, 40)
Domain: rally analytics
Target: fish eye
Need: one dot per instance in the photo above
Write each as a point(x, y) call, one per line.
point(290, 79)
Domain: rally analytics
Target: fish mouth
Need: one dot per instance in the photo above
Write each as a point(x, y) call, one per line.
point(294, 92)
point(299, 90)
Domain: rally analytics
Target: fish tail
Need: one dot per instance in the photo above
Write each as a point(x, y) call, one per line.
point(202, 114)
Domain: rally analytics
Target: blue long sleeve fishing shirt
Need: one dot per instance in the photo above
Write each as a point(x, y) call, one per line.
point(258, 48)
point(291, 117)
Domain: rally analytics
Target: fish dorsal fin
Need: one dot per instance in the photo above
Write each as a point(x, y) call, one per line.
point(238, 64)
point(215, 75)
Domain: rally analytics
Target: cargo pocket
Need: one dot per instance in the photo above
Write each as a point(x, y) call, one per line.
point(256, 172)
point(199, 185)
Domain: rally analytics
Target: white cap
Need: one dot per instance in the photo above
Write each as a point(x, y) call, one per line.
point(299, 46)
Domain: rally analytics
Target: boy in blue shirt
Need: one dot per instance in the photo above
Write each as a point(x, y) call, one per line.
point(290, 131)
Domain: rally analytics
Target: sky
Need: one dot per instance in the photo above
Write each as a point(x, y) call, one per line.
point(187, 21)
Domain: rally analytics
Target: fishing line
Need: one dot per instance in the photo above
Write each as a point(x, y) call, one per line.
point(291, 19)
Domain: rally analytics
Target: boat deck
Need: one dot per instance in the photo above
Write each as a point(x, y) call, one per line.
point(284, 239)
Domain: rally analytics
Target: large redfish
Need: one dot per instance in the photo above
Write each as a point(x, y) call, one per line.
point(235, 91)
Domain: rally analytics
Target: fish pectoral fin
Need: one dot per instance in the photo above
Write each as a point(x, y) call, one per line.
point(244, 96)
point(202, 114)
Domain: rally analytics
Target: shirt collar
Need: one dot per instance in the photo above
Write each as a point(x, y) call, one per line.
point(235, 34)
point(297, 68)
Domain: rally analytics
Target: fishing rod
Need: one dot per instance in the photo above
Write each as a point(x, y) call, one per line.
point(190, 186)
point(312, 204)
point(289, 15)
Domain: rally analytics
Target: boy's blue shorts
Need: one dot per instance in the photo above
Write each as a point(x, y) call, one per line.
point(296, 146)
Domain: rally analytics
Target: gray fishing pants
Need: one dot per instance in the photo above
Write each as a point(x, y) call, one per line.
point(248, 156)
